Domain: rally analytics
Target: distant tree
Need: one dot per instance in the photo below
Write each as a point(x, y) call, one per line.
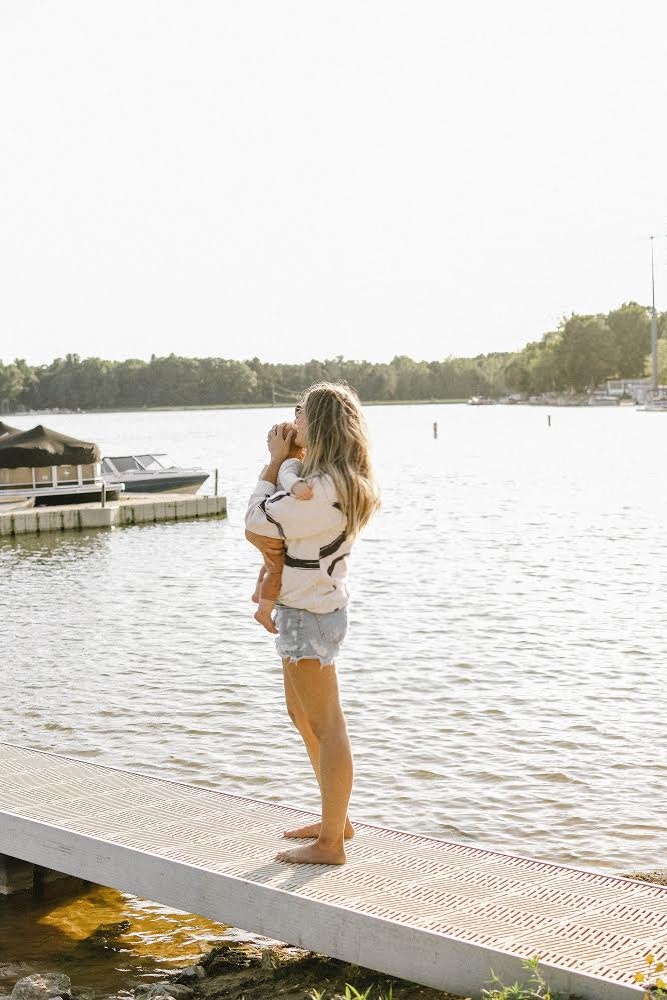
point(537, 368)
point(662, 363)
point(581, 353)
point(630, 328)
point(133, 384)
point(456, 378)
point(493, 368)
point(662, 325)
point(518, 376)
point(223, 381)
point(57, 384)
point(11, 386)
point(413, 378)
point(94, 386)
point(585, 352)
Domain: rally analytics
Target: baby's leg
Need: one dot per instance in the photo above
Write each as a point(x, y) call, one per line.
point(269, 590)
point(258, 585)
point(269, 547)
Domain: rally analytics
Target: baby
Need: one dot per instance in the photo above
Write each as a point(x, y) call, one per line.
point(273, 549)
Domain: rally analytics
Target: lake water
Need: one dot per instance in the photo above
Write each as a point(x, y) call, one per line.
point(505, 665)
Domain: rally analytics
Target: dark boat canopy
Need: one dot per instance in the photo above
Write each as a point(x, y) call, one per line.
point(40, 447)
point(7, 429)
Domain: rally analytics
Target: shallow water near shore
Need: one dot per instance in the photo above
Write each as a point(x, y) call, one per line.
point(104, 940)
point(507, 648)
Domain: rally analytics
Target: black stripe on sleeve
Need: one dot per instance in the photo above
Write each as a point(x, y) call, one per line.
point(268, 517)
point(328, 550)
point(274, 497)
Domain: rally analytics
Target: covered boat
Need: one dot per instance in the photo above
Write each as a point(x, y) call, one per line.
point(49, 466)
point(40, 447)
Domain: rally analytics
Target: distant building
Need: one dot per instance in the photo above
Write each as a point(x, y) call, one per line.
point(635, 387)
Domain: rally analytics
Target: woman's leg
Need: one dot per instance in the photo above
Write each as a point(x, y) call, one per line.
point(298, 716)
point(316, 688)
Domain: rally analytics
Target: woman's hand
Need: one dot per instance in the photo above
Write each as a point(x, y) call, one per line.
point(280, 439)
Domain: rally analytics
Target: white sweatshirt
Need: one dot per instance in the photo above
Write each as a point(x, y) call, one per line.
point(289, 473)
point(315, 571)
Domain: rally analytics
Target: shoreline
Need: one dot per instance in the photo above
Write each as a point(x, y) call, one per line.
point(221, 406)
point(560, 403)
point(257, 972)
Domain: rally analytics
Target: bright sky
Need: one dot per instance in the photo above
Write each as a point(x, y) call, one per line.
point(292, 179)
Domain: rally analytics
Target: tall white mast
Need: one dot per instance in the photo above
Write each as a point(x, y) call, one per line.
point(654, 328)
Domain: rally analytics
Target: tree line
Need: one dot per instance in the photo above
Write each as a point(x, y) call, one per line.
point(579, 355)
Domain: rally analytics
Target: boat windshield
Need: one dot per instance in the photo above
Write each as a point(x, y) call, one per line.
point(126, 463)
point(155, 463)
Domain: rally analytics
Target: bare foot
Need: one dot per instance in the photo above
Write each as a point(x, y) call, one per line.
point(264, 618)
point(313, 830)
point(313, 854)
point(255, 596)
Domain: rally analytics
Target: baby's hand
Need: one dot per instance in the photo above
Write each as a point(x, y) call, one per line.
point(301, 490)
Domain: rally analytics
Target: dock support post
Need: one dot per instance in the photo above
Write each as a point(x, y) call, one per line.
point(15, 875)
point(24, 876)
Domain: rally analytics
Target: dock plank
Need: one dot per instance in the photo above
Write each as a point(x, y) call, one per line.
point(435, 912)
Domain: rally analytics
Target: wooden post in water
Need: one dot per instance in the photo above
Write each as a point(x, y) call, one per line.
point(435, 428)
point(38, 882)
point(549, 420)
point(104, 493)
point(215, 488)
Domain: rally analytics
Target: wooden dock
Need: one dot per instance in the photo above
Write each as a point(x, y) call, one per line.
point(438, 913)
point(132, 508)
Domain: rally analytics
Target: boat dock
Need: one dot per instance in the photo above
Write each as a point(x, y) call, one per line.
point(131, 508)
point(434, 912)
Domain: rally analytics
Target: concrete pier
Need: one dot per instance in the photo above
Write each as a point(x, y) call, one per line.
point(133, 508)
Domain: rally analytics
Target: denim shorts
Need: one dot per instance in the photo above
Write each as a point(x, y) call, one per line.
point(305, 635)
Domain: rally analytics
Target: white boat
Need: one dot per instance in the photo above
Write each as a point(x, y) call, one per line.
point(154, 473)
point(480, 401)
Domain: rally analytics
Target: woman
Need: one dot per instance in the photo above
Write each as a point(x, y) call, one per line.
point(311, 615)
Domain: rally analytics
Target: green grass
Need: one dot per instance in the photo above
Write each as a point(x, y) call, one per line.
point(535, 989)
point(352, 993)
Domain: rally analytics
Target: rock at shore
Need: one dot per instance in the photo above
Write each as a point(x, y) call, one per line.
point(42, 987)
point(242, 969)
point(165, 989)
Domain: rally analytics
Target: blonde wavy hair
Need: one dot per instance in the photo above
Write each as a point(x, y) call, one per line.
point(337, 445)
